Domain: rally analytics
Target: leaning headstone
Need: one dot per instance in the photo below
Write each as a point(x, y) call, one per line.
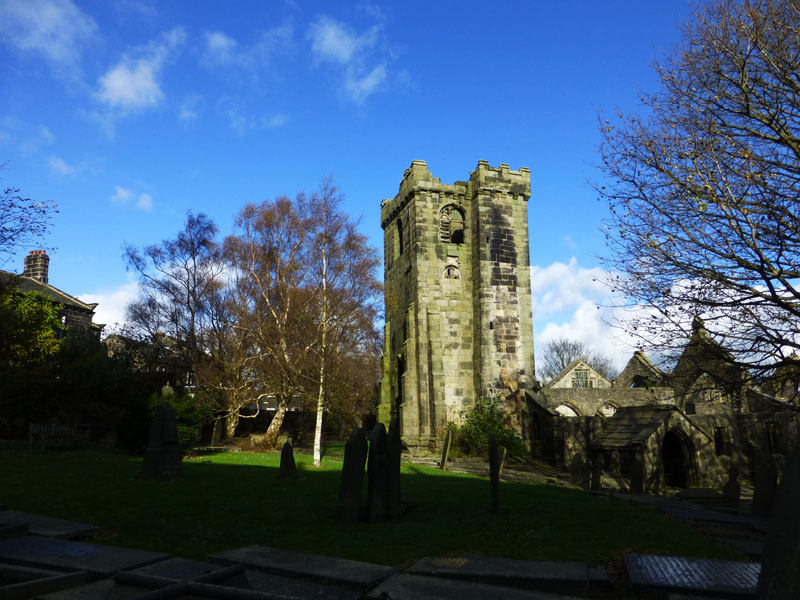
point(780, 566)
point(598, 466)
point(448, 439)
point(352, 479)
point(288, 468)
point(494, 473)
point(637, 476)
point(395, 506)
point(378, 475)
point(765, 486)
point(162, 457)
point(732, 491)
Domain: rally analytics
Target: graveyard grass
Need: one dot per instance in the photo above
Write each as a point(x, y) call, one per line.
point(231, 500)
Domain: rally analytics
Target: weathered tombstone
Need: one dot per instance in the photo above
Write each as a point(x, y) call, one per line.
point(765, 486)
point(378, 475)
point(162, 457)
point(598, 466)
point(586, 475)
point(780, 566)
point(494, 473)
point(288, 468)
point(637, 476)
point(614, 462)
point(732, 491)
point(395, 506)
point(352, 480)
point(576, 470)
point(448, 439)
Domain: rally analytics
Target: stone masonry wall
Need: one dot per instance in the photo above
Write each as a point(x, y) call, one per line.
point(458, 310)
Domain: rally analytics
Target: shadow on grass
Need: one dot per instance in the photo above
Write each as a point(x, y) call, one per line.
point(225, 501)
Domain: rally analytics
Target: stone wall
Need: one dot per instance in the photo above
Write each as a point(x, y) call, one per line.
point(590, 402)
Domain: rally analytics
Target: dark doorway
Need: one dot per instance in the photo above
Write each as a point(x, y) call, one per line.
point(675, 460)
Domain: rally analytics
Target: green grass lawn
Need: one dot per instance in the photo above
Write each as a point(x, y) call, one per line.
point(228, 500)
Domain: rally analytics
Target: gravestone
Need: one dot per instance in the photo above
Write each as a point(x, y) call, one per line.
point(614, 462)
point(597, 471)
point(352, 480)
point(780, 567)
point(378, 475)
point(637, 476)
point(586, 475)
point(494, 473)
point(395, 506)
point(576, 470)
point(732, 491)
point(765, 486)
point(288, 468)
point(162, 457)
point(448, 439)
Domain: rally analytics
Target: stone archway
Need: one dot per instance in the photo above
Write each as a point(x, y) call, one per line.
point(677, 460)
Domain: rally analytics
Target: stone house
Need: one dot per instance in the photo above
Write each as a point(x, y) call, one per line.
point(35, 278)
point(579, 375)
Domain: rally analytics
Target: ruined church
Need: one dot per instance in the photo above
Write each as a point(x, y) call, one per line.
point(459, 327)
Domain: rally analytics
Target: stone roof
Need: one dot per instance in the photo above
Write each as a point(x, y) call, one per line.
point(26, 284)
point(632, 425)
point(640, 364)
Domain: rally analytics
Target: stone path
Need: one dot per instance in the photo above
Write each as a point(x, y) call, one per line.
point(51, 568)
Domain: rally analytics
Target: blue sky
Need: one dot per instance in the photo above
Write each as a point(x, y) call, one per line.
point(128, 114)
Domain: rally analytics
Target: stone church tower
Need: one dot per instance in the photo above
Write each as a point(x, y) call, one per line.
point(458, 299)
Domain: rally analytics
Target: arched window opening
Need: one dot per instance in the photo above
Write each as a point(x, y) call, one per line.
point(398, 238)
point(451, 272)
point(451, 225)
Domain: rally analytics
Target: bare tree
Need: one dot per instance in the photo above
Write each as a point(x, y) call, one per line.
point(558, 354)
point(178, 280)
point(348, 297)
point(22, 221)
point(705, 218)
point(273, 292)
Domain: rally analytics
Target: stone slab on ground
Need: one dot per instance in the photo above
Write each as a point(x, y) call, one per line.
point(419, 587)
point(47, 526)
point(283, 587)
point(178, 569)
point(517, 573)
point(313, 567)
point(67, 555)
point(687, 575)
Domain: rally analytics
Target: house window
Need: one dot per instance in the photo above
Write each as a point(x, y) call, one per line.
point(581, 380)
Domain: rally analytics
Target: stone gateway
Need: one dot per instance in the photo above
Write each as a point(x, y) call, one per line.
point(458, 300)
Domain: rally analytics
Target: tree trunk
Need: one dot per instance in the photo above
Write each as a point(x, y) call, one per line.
point(231, 422)
point(275, 425)
point(323, 334)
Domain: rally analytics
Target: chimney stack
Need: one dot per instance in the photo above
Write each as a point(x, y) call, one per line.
point(37, 265)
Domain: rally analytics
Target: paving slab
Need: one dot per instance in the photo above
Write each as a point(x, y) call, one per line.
point(283, 587)
point(681, 574)
point(67, 555)
point(47, 526)
point(322, 569)
point(419, 587)
point(517, 573)
point(177, 569)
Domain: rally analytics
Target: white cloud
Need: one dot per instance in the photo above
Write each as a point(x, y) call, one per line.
point(112, 303)
point(221, 50)
point(145, 202)
point(190, 109)
point(58, 166)
point(134, 83)
point(335, 43)
point(56, 30)
point(570, 301)
point(123, 196)
point(34, 141)
point(241, 122)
